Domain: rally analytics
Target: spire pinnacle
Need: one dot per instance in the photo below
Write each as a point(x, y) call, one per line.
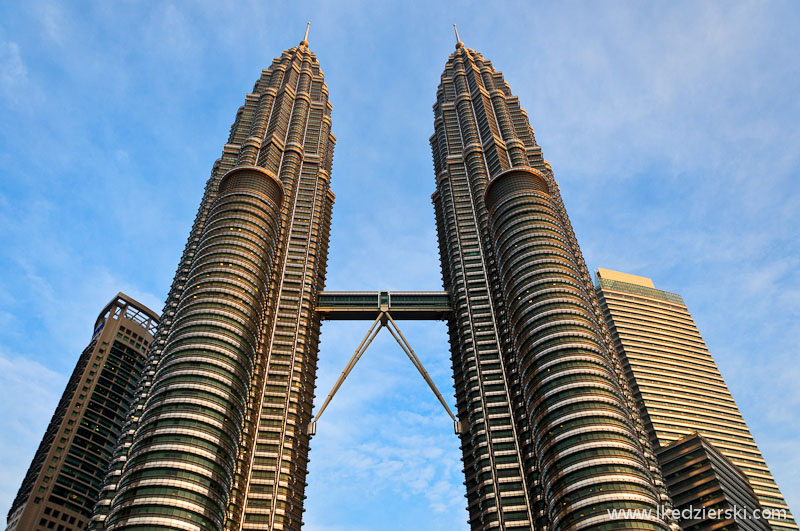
point(459, 44)
point(304, 42)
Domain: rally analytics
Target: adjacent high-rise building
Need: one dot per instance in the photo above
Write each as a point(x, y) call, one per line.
point(63, 482)
point(708, 490)
point(217, 438)
point(217, 433)
point(552, 436)
point(676, 382)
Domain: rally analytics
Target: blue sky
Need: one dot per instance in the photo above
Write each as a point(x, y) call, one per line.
point(672, 127)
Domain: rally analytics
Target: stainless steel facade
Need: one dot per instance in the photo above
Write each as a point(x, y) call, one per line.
point(182, 459)
point(63, 482)
point(553, 437)
point(217, 436)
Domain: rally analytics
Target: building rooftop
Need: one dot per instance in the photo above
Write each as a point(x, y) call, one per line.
point(608, 274)
point(615, 280)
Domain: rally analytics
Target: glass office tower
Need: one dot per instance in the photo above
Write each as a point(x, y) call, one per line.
point(64, 479)
point(677, 383)
point(708, 490)
point(552, 434)
point(217, 437)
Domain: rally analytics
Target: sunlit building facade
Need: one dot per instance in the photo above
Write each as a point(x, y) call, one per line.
point(552, 435)
point(217, 438)
point(63, 482)
point(676, 382)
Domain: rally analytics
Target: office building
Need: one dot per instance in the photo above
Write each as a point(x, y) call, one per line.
point(707, 489)
point(63, 482)
point(552, 436)
point(676, 382)
point(217, 438)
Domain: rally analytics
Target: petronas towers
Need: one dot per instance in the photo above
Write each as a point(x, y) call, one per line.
point(553, 436)
point(218, 433)
point(217, 437)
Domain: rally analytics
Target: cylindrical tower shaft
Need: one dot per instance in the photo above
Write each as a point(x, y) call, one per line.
point(283, 128)
point(472, 115)
point(589, 451)
point(523, 467)
point(181, 463)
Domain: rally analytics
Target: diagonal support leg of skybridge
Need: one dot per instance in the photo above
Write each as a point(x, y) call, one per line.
point(384, 320)
point(362, 347)
point(421, 368)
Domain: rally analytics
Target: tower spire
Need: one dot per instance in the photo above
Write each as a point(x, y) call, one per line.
point(229, 453)
point(507, 338)
point(304, 42)
point(459, 44)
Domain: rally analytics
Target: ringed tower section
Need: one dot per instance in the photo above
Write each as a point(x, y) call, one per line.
point(529, 459)
point(481, 130)
point(269, 489)
point(238, 319)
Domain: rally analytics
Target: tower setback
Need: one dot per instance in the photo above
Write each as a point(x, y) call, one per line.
point(553, 437)
point(217, 436)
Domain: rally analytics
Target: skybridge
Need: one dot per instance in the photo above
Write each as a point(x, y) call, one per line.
point(367, 305)
point(382, 308)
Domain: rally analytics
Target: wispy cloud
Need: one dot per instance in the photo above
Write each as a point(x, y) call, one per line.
point(672, 128)
point(384, 434)
point(13, 74)
point(29, 392)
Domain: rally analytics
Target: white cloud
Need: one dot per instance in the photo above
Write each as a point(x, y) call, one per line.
point(53, 19)
point(13, 73)
point(29, 392)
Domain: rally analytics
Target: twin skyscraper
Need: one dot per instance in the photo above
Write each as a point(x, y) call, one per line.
point(553, 422)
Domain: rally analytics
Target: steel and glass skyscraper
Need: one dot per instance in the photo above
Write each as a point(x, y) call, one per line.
point(677, 384)
point(217, 436)
point(63, 482)
point(553, 436)
point(707, 489)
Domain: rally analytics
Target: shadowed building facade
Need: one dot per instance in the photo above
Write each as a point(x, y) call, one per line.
point(216, 438)
point(552, 436)
point(708, 490)
point(63, 482)
point(677, 383)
